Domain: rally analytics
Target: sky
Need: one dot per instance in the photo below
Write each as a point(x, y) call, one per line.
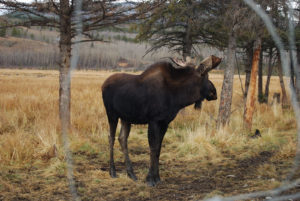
point(28, 1)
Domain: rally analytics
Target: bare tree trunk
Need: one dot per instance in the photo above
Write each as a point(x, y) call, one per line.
point(227, 87)
point(260, 94)
point(297, 68)
point(270, 69)
point(249, 52)
point(187, 46)
point(282, 85)
point(64, 70)
point(297, 74)
point(249, 107)
point(292, 78)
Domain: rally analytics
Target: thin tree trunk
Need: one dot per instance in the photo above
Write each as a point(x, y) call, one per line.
point(297, 74)
point(64, 70)
point(227, 87)
point(297, 68)
point(249, 52)
point(282, 85)
point(270, 69)
point(187, 45)
point(260, 94)
point(249, 107)
point(292, 78)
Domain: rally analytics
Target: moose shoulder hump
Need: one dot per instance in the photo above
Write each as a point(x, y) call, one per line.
point(167, 72)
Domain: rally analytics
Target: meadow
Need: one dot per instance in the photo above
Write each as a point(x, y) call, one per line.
point(197, 160)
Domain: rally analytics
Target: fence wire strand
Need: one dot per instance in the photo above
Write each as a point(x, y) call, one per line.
point(294, 63)
point(77, 18)
point(287, 184)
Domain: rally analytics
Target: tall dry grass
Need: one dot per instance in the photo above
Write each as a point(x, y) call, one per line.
point(29, 126)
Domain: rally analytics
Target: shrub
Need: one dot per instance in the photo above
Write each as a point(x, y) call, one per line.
point(16, 32)
point(2, 31)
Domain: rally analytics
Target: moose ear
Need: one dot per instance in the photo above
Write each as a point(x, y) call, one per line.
point(208, 64)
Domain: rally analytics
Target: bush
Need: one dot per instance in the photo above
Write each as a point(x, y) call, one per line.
point(2, 31)
point(125, 38)
point(16, 32)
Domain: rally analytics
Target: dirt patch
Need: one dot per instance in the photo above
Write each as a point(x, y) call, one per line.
point(181, 180)
point(263, 157)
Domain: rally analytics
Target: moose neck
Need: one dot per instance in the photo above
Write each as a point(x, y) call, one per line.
point(188, 92)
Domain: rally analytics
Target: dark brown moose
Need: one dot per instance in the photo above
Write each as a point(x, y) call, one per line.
point(154, 97)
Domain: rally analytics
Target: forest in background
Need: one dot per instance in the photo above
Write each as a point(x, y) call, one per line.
point(37, 47)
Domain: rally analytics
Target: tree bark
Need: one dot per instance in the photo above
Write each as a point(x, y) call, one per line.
point(249, 52)
point(64, 70)
point(260, 94)
point(187, 45)
point(227, 87)
point(292, 78)
point(297, 73)
point(249, 107)
point(297, 68)
point(282, 85)
point(270, 69)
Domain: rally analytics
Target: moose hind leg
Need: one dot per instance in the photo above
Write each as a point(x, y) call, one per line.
point(156, 132)
point(123, 138)
point(111, 138)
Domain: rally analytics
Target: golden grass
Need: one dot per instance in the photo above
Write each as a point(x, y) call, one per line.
point(29, 131)
point(29, 119)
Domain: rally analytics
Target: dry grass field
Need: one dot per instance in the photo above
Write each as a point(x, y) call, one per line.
point(197, 161)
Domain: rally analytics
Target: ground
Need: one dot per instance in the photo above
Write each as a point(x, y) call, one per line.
point(180, 181)
point(197, 161)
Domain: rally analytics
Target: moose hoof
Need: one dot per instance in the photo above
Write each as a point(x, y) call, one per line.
point(132, 176)
point(152, 180)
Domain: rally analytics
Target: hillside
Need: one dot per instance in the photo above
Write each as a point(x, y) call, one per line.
point(38, 48)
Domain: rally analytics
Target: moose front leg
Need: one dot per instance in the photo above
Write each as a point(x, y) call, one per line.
point(156, 132)
point(123, 138)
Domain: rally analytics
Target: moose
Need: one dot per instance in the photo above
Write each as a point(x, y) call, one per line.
point(153, 97)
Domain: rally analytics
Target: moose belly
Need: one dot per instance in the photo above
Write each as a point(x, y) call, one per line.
point(142, 110)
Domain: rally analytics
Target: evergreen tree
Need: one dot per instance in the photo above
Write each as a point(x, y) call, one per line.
point(174, 25)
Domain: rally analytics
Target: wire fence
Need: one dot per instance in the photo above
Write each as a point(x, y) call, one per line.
point(74, 62)
point(287, 184)
point(273, 194)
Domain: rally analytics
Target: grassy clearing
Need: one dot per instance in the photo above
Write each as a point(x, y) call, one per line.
point(197, 160)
